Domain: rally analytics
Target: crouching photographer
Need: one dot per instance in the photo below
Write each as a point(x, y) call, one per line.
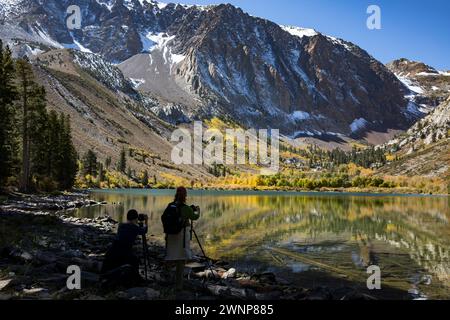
point(121, 264)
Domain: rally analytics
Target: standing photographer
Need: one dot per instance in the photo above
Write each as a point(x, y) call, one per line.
point(176, 221)
point(121, 251)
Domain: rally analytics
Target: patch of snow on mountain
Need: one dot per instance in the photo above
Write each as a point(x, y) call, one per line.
point(300, 134)
point(137, 82)
point(161, 5)
point(300, 32)
point(426, 74)
point(300, 115)
point(160, 42)
point(34, 51)
point(46, 38)
point(410, 85)
point(76, 45)
point(340, 43)
point(358, 124)
point(353, 97)
point(413, 109)
point(102, 70)
point(147, 44)
point(108, 3)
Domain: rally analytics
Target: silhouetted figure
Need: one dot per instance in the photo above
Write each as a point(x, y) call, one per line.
point(120, 260)
point(178, 244)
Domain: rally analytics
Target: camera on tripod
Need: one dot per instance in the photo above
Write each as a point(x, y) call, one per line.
point(142, 217)
point(195, 208)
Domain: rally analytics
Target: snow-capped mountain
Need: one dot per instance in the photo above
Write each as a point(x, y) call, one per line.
point(219, 61)
point(425, 86)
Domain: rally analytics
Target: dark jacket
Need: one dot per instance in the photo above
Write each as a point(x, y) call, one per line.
point(121, 251)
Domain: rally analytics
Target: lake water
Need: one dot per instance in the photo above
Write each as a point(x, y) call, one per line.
point(314, 239)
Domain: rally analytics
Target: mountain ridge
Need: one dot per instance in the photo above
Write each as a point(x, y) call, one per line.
point(211, 61)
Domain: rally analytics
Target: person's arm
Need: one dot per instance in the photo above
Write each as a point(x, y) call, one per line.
point(188, 213)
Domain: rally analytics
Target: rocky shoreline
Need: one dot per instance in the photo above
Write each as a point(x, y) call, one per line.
point(38, 241)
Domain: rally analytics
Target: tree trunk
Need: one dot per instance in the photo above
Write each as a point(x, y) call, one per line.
point(25, 137)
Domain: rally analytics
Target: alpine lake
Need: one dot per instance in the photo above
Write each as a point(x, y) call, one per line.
point(312, 239)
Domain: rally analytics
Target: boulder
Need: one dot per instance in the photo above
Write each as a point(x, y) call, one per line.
point(219, 291)
point(38, 293)
point(231, 273)
point(4, 284)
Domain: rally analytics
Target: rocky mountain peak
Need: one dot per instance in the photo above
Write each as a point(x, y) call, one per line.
point(218, 60)
point(424, 86)
point(405, 67)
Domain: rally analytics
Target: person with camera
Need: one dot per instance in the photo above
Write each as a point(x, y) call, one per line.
point(121, 252)
point(177, 227)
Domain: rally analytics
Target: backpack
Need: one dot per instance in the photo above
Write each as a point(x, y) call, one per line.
point(172, 220)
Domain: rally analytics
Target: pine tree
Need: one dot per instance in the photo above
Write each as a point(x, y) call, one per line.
point(25, 86)
point(53, 154)
point(101, 174)
point(90, 163)
point(108, 162)
point(68, 167)
point(122, 164)
point(8, 142)
point(144, 178)
point(39, 132)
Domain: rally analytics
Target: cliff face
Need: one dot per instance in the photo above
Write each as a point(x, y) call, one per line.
point(219, 61)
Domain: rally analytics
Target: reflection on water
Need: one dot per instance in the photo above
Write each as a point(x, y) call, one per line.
point(291, 233)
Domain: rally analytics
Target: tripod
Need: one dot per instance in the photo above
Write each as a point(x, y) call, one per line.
point(145, 256)
point(208, 260)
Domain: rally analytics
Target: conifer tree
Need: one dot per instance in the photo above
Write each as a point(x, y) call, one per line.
point(90, 163)
point(108, 162)
point(67, 168)
point(39, 133)
point(122, 164)
point(144, 178)
point(8, 142)
point(25, 88)
point(101, 173)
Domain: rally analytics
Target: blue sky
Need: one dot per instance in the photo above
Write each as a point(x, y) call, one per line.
point(417, 30)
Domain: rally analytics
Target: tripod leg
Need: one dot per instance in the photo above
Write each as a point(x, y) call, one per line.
point(144, 246)
point(204, 254)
